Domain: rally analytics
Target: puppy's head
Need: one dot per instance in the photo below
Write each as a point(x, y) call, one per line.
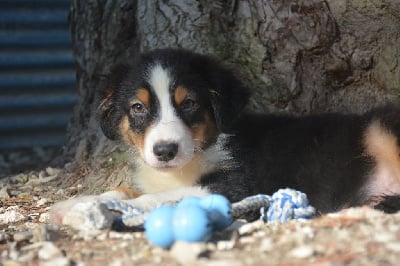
point(170, 104)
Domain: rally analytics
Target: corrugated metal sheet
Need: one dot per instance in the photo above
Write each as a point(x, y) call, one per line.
point(37, 76)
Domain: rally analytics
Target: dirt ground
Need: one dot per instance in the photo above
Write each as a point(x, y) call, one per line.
point(360, 236)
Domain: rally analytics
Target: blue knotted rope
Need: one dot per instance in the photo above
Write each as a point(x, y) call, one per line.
point(283, 205)
point(287, 204)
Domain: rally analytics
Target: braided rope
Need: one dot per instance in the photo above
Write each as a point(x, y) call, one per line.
point(288, 204)
point(285, 204)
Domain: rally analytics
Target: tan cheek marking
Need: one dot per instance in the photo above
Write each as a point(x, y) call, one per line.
point(130, 193)
point(130, 137)
point(143, 96)
point(180, 95)
point(203, 133)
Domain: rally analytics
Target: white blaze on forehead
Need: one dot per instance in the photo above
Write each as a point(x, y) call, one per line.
point(160, 81)
point(169, 127)
point(159, 78)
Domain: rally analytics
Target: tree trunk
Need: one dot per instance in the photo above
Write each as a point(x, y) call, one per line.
point(104, 32)
point(305, 56)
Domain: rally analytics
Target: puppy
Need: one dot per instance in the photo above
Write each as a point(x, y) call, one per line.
point(181, 113)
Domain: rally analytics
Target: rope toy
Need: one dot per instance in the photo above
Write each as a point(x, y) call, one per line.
point(195, 219)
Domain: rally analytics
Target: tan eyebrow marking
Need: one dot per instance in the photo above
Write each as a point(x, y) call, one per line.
point(180, 94)
point(143, 96)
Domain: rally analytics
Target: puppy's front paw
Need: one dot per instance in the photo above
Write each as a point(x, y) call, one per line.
point(59, 210)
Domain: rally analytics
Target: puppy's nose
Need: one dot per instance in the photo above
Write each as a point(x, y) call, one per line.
point(165, 151)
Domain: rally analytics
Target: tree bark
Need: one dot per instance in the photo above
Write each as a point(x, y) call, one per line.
point(304, 56)
point(104, 32)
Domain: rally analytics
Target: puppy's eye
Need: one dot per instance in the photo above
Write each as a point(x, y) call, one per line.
point(138, 108)
point(188, 105)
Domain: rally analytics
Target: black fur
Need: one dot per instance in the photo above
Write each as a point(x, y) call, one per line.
point(109, 111)
point(319, 155)
point(389, 204)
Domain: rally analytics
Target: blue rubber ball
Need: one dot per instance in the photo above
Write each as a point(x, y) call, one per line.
point(158, 227)
point(219, 210)
point(191, 224)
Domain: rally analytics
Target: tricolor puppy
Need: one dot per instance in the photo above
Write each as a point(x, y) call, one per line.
point(182, 115)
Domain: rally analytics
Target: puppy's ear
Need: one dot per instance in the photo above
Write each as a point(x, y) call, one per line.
point(107, 115)
point(228, 97)
point(108, 112)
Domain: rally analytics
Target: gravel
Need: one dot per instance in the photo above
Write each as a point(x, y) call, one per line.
point(358, 236)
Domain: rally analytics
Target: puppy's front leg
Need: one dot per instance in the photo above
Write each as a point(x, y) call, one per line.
point(60, 209)
point(148, 202)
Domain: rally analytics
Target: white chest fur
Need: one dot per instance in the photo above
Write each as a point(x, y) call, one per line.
point(152, 180)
